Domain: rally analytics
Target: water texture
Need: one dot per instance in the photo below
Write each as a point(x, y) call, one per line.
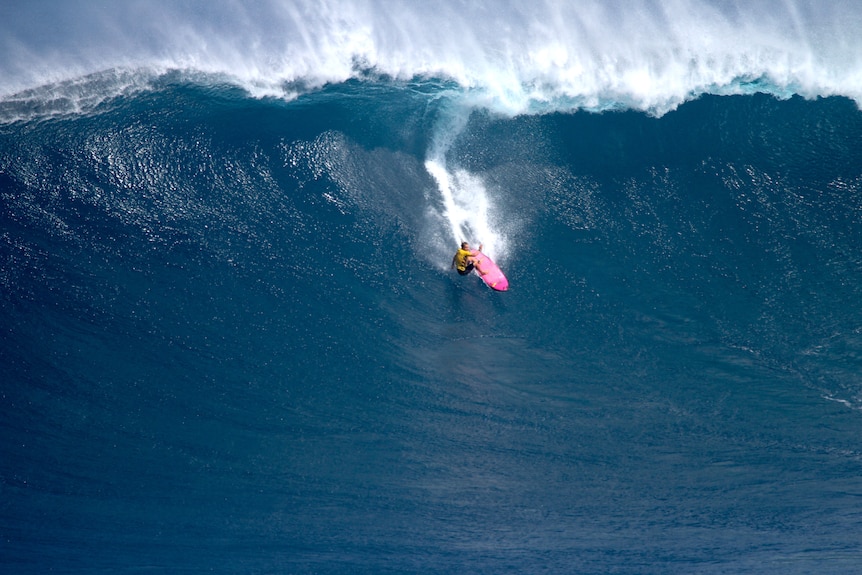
point(231, 340)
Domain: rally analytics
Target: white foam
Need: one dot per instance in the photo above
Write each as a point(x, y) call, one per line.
point(511, 56)
point(467, 209)
point(465, 204)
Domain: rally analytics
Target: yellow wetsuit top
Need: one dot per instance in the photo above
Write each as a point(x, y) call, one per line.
point(461, 259)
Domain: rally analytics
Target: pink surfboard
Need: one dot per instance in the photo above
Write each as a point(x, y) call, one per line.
point(489, 272)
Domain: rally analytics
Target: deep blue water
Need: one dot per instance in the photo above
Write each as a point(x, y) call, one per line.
point(231, 342)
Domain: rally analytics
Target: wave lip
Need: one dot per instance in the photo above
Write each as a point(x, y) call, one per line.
point(552, 57)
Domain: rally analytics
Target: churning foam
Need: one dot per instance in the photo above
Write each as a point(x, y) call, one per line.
point(524, 57)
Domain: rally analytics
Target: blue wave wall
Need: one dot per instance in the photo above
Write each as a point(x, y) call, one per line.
point(230, 340)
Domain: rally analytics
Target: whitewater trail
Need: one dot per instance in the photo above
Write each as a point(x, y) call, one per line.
point(464, 205)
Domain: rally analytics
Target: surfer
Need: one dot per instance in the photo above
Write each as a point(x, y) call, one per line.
point(465, 260)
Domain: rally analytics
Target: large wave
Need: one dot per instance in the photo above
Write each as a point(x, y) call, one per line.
point(236, 312)
point(506, 57)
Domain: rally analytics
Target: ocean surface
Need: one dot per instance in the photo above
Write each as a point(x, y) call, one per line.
point(231, 340)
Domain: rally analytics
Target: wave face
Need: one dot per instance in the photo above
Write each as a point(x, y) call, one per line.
point(231, 340)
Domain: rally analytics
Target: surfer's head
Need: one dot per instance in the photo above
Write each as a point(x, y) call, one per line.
point(464, 245)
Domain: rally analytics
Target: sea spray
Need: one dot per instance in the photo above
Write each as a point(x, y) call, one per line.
point(639, 54)
point(466, 206)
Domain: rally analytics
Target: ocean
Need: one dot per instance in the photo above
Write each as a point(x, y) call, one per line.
point(231, 340)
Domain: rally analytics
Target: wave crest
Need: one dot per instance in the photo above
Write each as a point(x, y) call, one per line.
point(553, 56)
